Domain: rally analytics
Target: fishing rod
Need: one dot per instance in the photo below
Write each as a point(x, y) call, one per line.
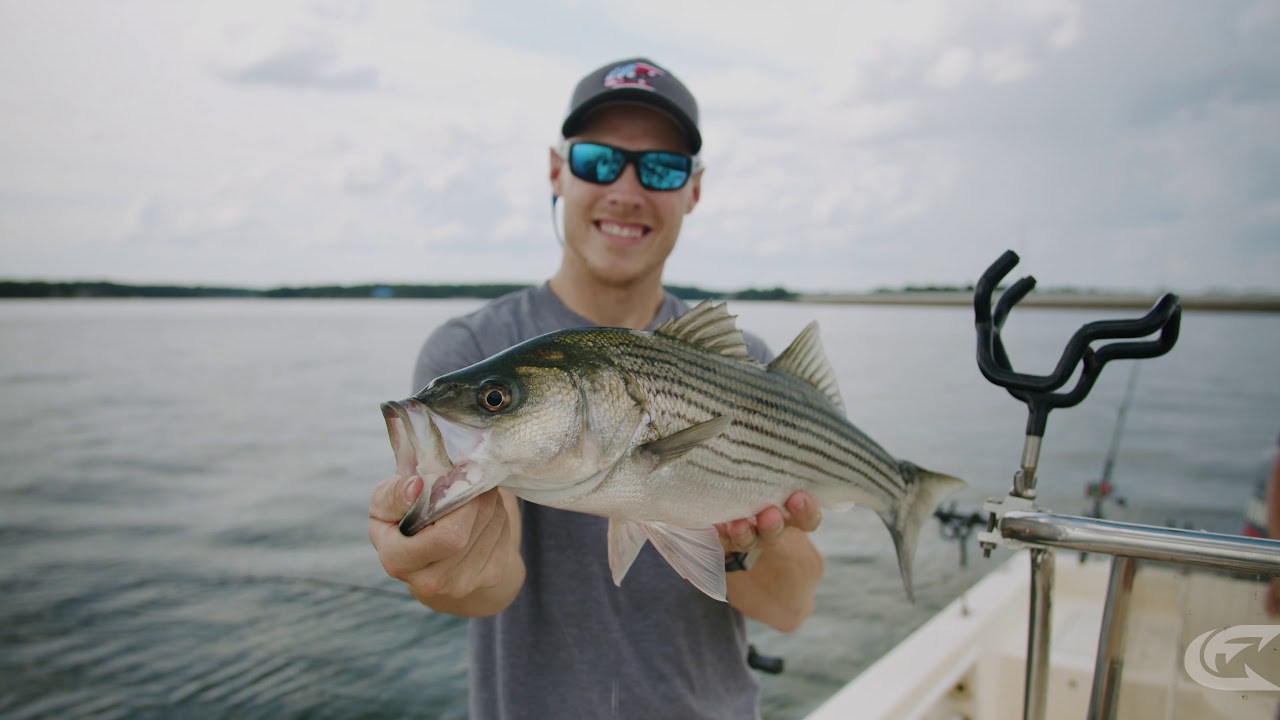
point(957, 526)
point(1104, 488)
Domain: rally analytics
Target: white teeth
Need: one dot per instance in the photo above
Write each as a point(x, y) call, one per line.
point(628, 231)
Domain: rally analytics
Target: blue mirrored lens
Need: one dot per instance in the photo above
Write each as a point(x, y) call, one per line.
point(663, 171)
point(603, 164)
point(596, 163)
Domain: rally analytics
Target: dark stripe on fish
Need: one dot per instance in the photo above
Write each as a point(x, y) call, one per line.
point(690, 388)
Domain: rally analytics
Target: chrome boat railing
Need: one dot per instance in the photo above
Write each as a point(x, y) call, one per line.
point(1015, 521)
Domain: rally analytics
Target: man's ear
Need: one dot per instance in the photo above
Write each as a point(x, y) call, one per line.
point(695, 191)
point(555, 173)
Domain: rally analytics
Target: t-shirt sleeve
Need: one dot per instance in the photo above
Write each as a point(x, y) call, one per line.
point(452, 346)
point(757, 348)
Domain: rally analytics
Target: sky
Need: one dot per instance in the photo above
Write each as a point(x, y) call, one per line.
point(848, 145)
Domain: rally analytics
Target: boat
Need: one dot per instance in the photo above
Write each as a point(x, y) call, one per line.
point(969, 660)
point(1149, 622)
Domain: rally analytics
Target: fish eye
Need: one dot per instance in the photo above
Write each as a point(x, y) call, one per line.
point(494, 397)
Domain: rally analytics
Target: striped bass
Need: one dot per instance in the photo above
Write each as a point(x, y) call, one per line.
point(665, 433)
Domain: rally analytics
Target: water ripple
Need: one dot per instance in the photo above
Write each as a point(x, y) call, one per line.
point(265, 646)
point(183, 518)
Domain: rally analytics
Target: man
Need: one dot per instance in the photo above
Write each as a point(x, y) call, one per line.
point(552, 636)
point(1269, 488)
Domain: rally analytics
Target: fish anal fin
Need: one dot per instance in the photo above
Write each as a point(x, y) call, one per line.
point(675, 446)
point(626, 539)
point(805, 359)
point(695, 553)
point(710, 327)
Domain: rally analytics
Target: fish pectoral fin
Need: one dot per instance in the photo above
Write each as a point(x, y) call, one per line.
point(626, 539)
point(673, 447)
point(695, 553)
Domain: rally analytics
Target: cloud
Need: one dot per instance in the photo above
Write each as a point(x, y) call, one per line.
point(290, 44)
point(1267, 212)
point(156, 220)
point(368, 174)
point(304, 61)
point(1067, 32)
point(1060, 149)
point(1004, 66)
point(345, 10)
point(854, 146)
point(1258, 18)
point(513, 227)
point(952, 68)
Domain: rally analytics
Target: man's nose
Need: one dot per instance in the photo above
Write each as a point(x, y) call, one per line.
point(627, 190)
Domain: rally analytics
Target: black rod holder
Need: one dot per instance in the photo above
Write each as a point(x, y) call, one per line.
point(1039, 391)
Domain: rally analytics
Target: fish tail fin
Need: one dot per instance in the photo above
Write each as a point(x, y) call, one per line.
point(925, 489)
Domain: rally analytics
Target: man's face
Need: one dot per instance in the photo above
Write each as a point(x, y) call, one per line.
point(622, 233)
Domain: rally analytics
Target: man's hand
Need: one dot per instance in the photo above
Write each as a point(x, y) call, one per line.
point(466, 563)
point(766, 528)
point(779, 588)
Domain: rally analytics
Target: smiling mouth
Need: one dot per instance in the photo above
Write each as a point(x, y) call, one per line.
point(623, 230)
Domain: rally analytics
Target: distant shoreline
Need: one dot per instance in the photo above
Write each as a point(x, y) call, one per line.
point(1072, 301)
point(908, 297)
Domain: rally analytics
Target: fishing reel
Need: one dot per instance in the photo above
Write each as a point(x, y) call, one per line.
point(957, 526)
point(1099, 494)
point(1041, 393)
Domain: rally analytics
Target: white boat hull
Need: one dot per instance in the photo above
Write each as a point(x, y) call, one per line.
point(968, 661)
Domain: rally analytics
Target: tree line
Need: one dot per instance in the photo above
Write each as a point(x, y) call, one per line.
point(36, 289)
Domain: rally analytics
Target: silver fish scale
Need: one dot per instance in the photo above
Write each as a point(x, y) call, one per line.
point(590, 397)
point(784, 431)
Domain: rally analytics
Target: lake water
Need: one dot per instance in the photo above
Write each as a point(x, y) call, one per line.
point(183, 487)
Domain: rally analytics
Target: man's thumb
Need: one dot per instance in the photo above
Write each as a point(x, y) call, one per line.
point(393, 497)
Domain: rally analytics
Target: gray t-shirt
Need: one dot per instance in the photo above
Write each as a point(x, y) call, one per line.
point(572, 644)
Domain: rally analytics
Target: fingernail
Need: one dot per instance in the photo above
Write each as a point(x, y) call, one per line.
point(411, 488)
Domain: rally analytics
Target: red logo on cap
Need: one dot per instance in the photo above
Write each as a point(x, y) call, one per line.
point(634, 74)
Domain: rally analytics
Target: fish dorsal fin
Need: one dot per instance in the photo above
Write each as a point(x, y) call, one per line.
point(710, 327)
point(805, 359)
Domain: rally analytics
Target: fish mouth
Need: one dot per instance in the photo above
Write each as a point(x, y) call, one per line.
point(441, 452)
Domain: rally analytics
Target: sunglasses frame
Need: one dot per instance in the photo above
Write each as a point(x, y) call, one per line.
point(630, 157)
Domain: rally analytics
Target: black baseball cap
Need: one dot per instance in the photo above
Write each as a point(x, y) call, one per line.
point(638, 80)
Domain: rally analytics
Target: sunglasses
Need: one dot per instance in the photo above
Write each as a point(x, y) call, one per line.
point(603, 164)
